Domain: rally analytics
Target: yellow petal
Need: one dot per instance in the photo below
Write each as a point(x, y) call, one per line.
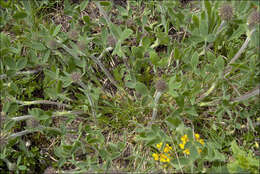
point(159, 146)
point(181, 146)
point(197, 136)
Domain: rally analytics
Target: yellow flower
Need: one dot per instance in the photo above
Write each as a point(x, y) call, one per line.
point(159, 146)
point(164, 158)
point(155, 156)
point(184, 139)
point(186, 151)
point(167, 148)
point(182, 146)
point(201, 141)
point(197, 137)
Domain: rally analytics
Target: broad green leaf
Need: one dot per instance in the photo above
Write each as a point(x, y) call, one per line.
point(83, 5)
point(191, 111)
point(203, 26)
point(86, 19)
point(118, 50)
point(154, 58)
point(220, 63)
point(180, 101)
point(208, 7)
point(39, 114)
point(21, 63)
point(173, 85)
point(173, 121)
point(122, 11)
point(195, 60)
point(105, 3)
point(125, 34)
point(141, 88)
point(19, 15)
point(219, 156)
point(22, 167)
point(37, 46)
point(146, 41)
point(211, 38)
point(4, 4)
point(130, 84)
point(177, 54)
point(194, 154)
point(196, 39)
point(163, 38)
point(116, 31)
point(10, 63)
point(195, 20)
point(51, 74)
point(46, 56)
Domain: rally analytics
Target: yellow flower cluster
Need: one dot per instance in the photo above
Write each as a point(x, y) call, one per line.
point(197, 137)
point(165, 152)
point(185, 139)
point(165, 156)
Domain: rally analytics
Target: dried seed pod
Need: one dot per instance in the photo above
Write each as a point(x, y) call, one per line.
point(76, 77)
point(73, 35)
point(253, 18)
point(226, 12)
point(161, 85)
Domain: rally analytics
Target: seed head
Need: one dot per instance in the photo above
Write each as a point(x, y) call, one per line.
point(254, 18)
point(73, 35)
point(161, 85)
point(76, 76)
point(226, 12)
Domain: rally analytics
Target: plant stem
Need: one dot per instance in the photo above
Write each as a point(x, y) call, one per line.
point(107, 73)
point(248, 95)
point(35, 102)
point(228, 68)
point(156, 99)
point(19, 134)
point(90, 100)
point(3, 76)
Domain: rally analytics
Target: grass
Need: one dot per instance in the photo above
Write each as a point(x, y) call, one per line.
point(129, 86)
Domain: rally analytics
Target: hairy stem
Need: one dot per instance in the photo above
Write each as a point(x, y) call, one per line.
point(228, 68)
point(3, 76)
point(89, 99)
point(248, 95)
point(241, 50)
point(22, 133)
point(156, 99)
point(35, 102)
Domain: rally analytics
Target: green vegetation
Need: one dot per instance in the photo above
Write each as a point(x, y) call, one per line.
point(129, 86)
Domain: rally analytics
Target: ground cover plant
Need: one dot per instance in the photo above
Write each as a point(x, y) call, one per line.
point(129, 86)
